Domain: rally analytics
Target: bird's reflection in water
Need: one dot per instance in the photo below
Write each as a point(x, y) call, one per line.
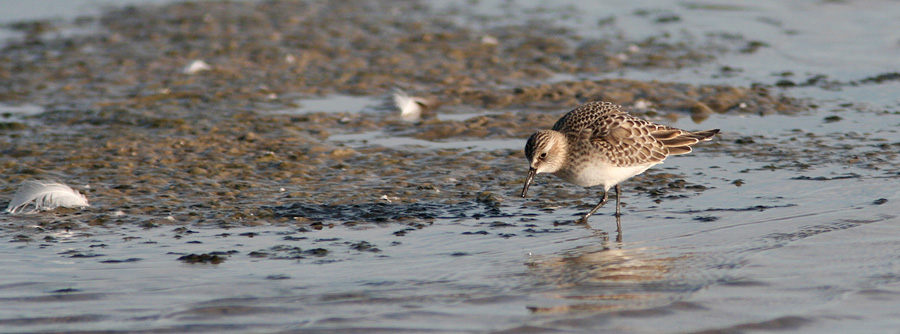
point(605, 277)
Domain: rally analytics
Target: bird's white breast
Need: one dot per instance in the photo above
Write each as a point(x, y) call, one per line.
point(602, 173)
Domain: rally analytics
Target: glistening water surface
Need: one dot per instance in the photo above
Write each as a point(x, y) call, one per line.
point(279, 192)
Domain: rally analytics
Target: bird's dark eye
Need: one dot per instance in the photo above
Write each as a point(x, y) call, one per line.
point(543, 155)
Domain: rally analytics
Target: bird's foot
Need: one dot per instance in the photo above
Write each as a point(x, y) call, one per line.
point(583, 221)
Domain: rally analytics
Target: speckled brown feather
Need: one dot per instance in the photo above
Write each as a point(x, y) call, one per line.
point(625, 140)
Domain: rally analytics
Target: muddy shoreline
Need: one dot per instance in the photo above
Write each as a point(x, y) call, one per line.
point(248, 171)
point(166, 147)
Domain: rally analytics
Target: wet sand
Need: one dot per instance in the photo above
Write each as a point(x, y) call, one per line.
point(279, 191)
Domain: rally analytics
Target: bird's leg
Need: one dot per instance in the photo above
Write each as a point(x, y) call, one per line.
point(584, 218)
point(618, 213)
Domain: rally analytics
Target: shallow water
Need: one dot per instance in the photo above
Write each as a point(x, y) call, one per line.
point(788, 223)
point(818, 257)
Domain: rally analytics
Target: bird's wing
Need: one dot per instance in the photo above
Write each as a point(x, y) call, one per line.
point(678, 141)
point(628, 141)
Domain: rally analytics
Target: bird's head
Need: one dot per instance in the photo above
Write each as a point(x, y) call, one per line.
point(546, 153)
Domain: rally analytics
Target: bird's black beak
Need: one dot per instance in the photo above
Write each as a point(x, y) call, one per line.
point(531, 172)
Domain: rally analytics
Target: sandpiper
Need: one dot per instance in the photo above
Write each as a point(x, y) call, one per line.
point(599, 144)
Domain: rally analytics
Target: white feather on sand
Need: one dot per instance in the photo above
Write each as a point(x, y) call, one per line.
point(45, 195)
point(411, 107)
point(196, 66)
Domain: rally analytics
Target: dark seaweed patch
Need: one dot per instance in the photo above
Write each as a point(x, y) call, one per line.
point(388, 212)
point(824, 178)
point(202, 258)
point(364, 246)
point(133, 259)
